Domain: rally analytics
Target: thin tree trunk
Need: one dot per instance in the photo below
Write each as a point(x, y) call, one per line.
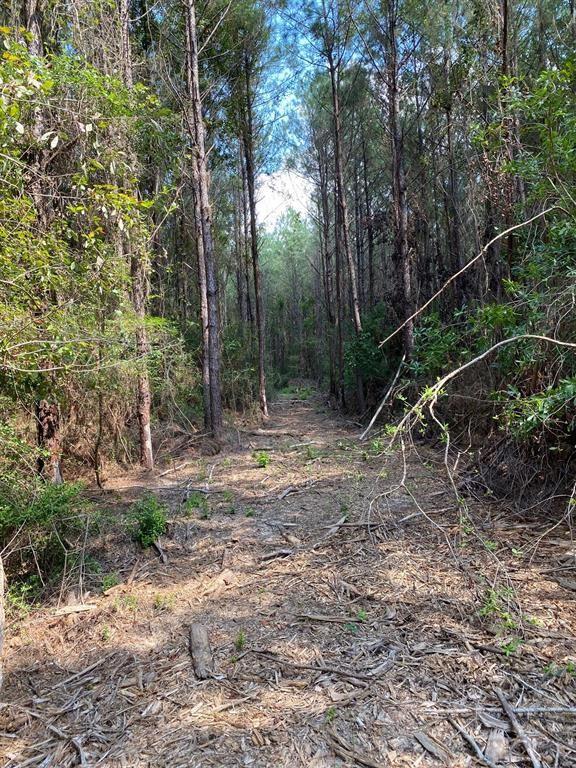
point(344, 229)
point(2, 618)
point(399, 181)
point(248, 145)
point(144, 397)
point(206, 255)
point(138, 274)
point(47, 410)
point(369, 226)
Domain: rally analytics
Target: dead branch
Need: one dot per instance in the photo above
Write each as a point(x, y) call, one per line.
point(521, 733)
point(467, 266)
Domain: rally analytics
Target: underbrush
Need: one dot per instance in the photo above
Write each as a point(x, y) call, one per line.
point(43, 529)
point(516, 406)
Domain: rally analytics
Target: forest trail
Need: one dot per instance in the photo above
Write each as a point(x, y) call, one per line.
point(344, 632)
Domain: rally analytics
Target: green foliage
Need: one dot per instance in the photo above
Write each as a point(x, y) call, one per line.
point(496, 606)
point(240, 641)
point(362, 353)
point(164, 603)
point(110, 580)
point(22, 596)
point(552, 411)
point(149, 520)
point(262, 459)
point(46, 505)
point(436, 347)
point(511, 646)
point(198, 502)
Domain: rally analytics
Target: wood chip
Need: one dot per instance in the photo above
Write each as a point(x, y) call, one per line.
point(276, 553)
point(439, 751)
point(497, 748)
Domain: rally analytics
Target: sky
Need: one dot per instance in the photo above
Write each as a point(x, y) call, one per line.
point(279, 191)
point(279, 105)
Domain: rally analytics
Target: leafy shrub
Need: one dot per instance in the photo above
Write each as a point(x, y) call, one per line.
point(198, 502)
point(553, 410)
point(22, 595)
point(150, 520)
point(109, 580)
point(41, 532)
point(363, 353)
point(262, 459)
point(46, 505)
point(435, 347)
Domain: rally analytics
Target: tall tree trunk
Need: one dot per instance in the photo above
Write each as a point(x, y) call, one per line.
point(2, 618)
point(206, 255)
point(144, 397)
point(47, 410)
point(138, 275)
point(369, 226)
point(343, 225)
point(339, 314)
point(248, 146)
point(246, 235)
point(400, 206)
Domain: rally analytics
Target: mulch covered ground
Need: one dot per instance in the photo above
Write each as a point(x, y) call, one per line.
point(357, 615)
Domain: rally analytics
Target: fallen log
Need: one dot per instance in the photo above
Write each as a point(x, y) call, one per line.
point(200, 651)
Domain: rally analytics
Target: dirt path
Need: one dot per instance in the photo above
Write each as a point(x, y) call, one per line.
point(344, 632)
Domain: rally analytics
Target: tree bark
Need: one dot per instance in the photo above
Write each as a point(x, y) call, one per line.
point(369, 226)
point(206, 255)
point(143, 396)
point(47, 410)
point(344, 228)
point(400, 206)
point(2, 619)
point(248, 146)
point(48, 432)
point(138, 274)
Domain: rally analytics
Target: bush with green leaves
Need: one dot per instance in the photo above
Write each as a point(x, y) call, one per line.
point(363, 354)
point(436, 347)
point(262, 459)
point(42, 528)
point(150, 522)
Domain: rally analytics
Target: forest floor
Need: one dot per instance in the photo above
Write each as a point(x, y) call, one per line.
point(355, 618)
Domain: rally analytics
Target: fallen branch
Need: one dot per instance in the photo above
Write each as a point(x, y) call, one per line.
point(471, 741)
point(68, 609)
point(464, 268)
point(327, 619)
point(333, 530)
point(384, 400)
point(346, 751)
point(348, 674)
point(520, 732)
point(159, 551)
point(276, 553)
point(174, 469)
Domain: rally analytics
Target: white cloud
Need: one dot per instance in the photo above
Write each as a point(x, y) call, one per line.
point(279, 191)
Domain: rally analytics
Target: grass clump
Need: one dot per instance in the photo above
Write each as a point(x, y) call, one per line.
point(109, 580)
point(22, 596)
point(198, 502)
